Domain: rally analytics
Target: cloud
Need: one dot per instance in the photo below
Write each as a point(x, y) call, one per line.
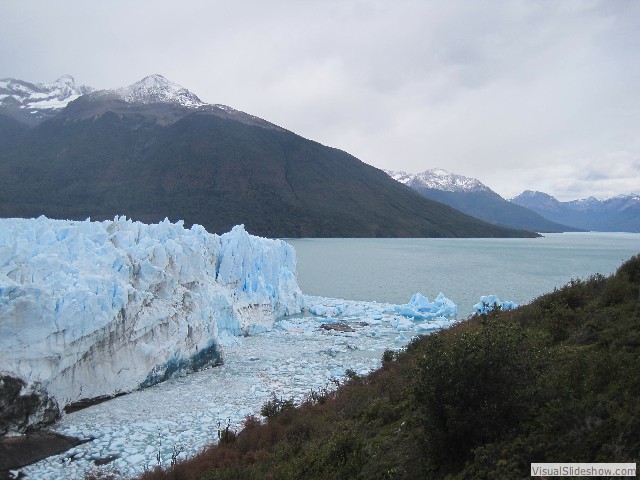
point(520, 93)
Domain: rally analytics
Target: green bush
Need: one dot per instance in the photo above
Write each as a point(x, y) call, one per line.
point(276, 406)
point(474, 384)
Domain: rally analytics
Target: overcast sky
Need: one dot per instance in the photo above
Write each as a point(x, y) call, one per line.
point(540, 95)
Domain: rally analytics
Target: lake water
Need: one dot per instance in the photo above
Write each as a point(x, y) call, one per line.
point(391, 270)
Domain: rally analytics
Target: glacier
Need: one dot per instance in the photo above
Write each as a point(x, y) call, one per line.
point(95, 309)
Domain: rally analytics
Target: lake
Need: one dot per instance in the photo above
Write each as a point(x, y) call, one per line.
point(391, 269)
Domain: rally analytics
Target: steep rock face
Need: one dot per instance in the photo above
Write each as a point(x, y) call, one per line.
point(93, 309)
point(23, 407)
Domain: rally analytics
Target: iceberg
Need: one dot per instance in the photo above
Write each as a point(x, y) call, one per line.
point(420, 308)
point(94, 309)
point(491, 302)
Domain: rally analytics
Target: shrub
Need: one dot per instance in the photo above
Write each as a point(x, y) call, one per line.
point(276, 406)
point(473, 385)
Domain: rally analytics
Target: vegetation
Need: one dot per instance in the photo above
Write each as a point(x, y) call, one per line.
point(556, 380)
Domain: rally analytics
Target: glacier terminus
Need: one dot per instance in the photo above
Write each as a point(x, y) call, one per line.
point(96, 309)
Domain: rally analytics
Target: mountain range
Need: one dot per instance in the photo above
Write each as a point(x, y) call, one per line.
point(617, 214)
point(472, 197)
point(154, 150)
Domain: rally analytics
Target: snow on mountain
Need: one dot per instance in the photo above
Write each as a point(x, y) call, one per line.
point(439, 179)
point(90, 309)
point(541, 198)
point(620, 213)
point(155, 89)
point(531, 198)
point(40, 100)
point(33, 103)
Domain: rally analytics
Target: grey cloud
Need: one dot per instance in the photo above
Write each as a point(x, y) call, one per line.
point(519, 93)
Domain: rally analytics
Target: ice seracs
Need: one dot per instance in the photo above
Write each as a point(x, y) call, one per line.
point(91, 309)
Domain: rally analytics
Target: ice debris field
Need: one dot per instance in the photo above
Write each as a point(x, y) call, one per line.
point(171, 292)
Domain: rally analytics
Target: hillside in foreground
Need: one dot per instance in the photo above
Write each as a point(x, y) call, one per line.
point(553, 381)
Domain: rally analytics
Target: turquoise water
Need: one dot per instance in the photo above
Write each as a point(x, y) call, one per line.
point(391, 270)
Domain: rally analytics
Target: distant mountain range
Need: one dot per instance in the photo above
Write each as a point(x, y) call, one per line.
point(472, 197)
point(154, 150)
point(617, 214)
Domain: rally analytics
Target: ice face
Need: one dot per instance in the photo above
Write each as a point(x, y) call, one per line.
point(98, 308)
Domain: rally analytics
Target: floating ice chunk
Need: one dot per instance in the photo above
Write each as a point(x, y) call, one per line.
point(421, 302)
point(402, 324)
point(491, 302)
point(400, 338)
point(420, 308)
point(319, 310)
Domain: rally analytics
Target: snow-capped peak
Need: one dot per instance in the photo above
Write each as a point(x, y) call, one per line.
point(439, 179)
point(38, 99)
point(66, 80)
point(631, 197)
point(533, 194)
point(157, 89)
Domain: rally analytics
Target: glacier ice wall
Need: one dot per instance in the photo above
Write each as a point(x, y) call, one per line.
point(91, 309)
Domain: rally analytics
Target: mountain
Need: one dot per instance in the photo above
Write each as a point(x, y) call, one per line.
point(32, 103)
point(616, 214)
point(472, 197)
point(154, 150)
point(439, 179)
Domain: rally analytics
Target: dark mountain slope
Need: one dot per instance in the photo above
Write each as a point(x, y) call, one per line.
point(492, 208)
point(472, 197)
point(10, 130)
point(209, 169)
